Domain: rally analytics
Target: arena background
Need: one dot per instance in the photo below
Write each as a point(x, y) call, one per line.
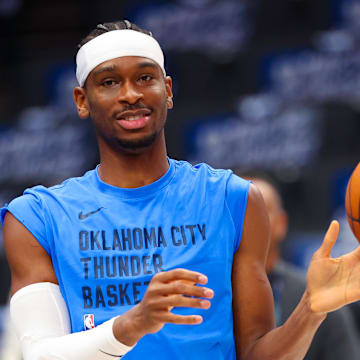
point(260, 86)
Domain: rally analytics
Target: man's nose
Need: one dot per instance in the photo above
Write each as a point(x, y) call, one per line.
point(129, 93)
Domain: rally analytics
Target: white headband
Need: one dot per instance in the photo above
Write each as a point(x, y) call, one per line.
point(114, 44)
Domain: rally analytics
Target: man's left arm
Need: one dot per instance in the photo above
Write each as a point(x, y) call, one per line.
point(255, 335)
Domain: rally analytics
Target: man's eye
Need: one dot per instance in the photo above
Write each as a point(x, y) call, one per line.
point(146, 78)
point(108, 83)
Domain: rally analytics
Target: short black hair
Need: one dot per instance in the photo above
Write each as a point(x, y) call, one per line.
point(110, 26)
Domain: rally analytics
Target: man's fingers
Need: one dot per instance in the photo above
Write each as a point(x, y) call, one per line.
point(329, 239)
point(180, 287)
point(181, 274)
point(181, 319)
point(183, 301)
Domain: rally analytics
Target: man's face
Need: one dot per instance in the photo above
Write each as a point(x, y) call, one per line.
point(128, 99)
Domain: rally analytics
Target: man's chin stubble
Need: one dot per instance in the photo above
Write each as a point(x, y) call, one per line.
point(139, 144)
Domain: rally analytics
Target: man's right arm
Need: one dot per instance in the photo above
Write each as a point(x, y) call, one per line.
point(38, 310)
point(29, 262)
point(31, 265)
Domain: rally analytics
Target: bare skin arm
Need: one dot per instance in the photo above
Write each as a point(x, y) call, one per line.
point(30, 264)
point(254, 323)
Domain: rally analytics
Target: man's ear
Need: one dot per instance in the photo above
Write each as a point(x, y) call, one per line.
point(168, 86)
point(81, 102)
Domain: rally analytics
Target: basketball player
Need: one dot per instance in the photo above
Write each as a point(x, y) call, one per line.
point(146, 257)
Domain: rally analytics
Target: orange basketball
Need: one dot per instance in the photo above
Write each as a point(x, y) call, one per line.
point(352, 202)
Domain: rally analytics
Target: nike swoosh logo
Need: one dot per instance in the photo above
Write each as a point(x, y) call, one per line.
point(85, 216)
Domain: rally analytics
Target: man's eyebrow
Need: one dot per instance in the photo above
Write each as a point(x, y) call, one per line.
point(108, 68)
point(113, 67)
point(145, 64)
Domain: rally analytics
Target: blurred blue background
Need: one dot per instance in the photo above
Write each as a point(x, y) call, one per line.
point(264, 86)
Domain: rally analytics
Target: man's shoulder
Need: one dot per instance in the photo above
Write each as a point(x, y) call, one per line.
point(203, 175)
point(74, 182)
point(36, 196)
point(201, 170)
point(65, 187)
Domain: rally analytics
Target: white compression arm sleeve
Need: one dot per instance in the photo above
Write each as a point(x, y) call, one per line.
point(42, 324)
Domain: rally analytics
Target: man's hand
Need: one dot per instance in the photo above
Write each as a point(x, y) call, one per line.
point(175, 288)
point(333, 283)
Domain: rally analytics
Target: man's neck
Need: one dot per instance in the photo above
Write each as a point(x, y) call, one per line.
point(133, 170)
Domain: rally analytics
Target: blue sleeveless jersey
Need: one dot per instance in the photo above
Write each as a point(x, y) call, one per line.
point(106, 243)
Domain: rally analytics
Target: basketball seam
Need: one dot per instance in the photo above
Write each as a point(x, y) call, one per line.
point(350, 205)
point(359, 211)
point(353, 219)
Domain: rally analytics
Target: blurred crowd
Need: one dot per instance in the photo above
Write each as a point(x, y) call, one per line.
point(268, 89)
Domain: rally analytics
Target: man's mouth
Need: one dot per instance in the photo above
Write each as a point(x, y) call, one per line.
point(132, 120)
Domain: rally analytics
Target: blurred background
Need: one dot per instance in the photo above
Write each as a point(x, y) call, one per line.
point(260, 86)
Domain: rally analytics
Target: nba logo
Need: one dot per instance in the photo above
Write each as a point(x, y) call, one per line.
point(89, 322)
